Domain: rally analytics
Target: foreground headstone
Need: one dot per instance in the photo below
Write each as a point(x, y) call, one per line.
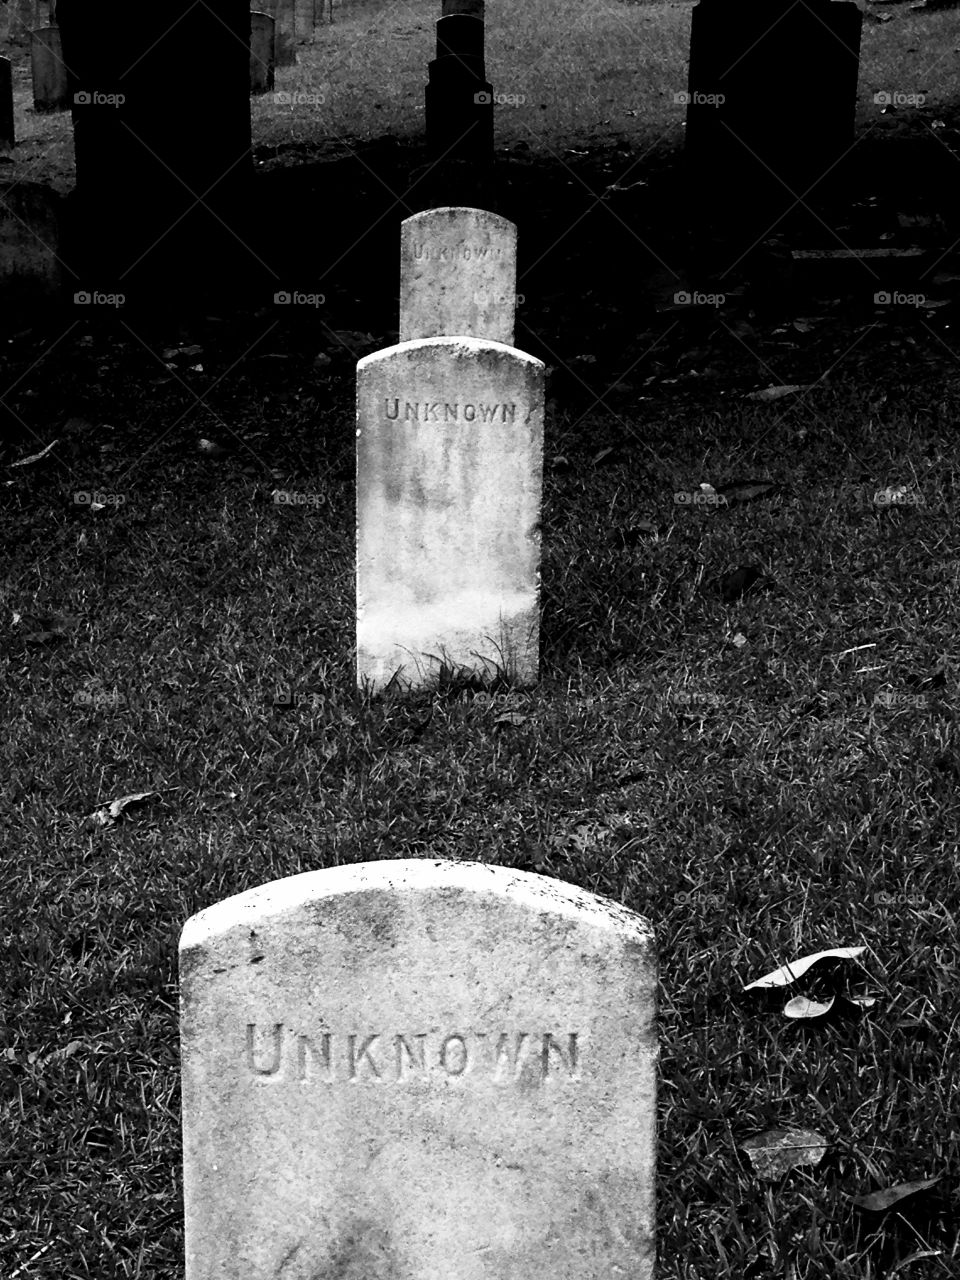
point(458, 275)
point(50, 87)
point(449, 478)
point(7, 131)
point(418, 1068)
point(263, 56)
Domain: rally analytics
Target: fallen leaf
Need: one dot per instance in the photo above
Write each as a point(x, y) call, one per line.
point(511, 718)
point(801, 1007)
point(788, 973)
point(775, 393)
point(34, 457)
point(108, 814)
point(880, 1201)
point(747, 490)
point(776, 1152)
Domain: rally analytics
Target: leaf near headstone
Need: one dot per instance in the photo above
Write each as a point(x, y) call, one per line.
point(776, 393)
point(802, 1007)
point(747, 490)
point(510, 718)
point(880, 1201)
point(788, 973)
point(108, 814)
point(34, 457)
point(776, 1152)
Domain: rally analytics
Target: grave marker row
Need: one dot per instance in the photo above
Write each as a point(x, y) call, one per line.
point(421, 1068)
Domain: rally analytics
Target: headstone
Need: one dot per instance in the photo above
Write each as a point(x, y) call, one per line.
point(458, 275)
point(449, 478)
point(420, 1068)
point(50, 87)
point(30, 267)
point(285, 13)
point(757, 137)
point(262, 52)
point(162, 183)
point(7, 132)
point(458, 98)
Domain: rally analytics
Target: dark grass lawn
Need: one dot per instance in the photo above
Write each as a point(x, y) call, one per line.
point(764, 774)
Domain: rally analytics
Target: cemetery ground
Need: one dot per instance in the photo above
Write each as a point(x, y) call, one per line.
point(745, 727)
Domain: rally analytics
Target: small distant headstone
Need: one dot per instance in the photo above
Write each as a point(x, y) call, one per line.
point(262, 52)
point(30, 268)
point(449, 477)
point(50, 88)
point(7, 131)
point(458, 275)
point(421, 1068)
point(286, 32)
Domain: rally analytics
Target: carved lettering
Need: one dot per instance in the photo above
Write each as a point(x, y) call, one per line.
point(355, 1057)
point(453, 253)
point(274, 1066)
point(433, 411)
point(275, 1051)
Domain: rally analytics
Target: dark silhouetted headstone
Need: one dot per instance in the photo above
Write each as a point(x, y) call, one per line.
point(771, 102)
point(161, 119)
point(263, 58)
point(7, 132)
point(459, 101)
point(50, 88)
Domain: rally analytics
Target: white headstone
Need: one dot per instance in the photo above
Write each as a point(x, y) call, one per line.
point(449, 477)
point(458, 275)
point(418, 1069)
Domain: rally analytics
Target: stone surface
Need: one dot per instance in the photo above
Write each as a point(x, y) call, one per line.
point(50, 88)
point(458, 275)
point(7, 131)
point(418, 1070)
point(449, 477)
point(262, 52)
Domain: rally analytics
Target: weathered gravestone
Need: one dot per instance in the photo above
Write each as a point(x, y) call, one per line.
point(771, 104)
point(262, 52)
point(50, 87)
point(423, 1069)
point(7, 131)
point(458, 275)
point(449, 478)
point(30, 265)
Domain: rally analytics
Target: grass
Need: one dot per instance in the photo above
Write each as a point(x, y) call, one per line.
point(763, 777)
